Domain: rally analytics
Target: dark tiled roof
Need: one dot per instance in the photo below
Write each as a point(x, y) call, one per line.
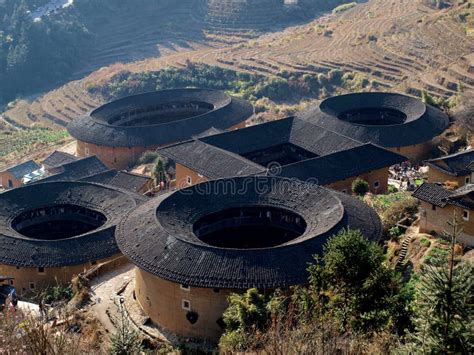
point(432, 193)
point(58, 158)
point(129, 181)
point(77, 170)
point(439, 196)
point(94, 128)
point(103, 178)
point(20, 170)
point(463, 197)
point(253, 138)
point(458, 164)
point(218, 156)
point(158, 236)
point(422, 123)
point(209, 160)
point(308, 136)
point(18, 250)
point(343, 164)
point(211, 131)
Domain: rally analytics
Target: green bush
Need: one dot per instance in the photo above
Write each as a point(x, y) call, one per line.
point(392, 189)
point(360, 187)
point(148, 157)
point(425, 243)
point(344, 7)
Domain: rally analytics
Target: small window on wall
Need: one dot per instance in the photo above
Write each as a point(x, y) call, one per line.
point(376, 184)
point(186, 305)
point(344, 191)
point(185, 287)
point(41, 270)
point(465, 215)
point(468, 180)
point(433, 207)
point(86, 151)
point(11, 282)
point(32, 286)
point(189, 180)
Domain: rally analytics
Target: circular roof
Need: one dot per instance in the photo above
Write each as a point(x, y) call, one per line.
point(386, 119)
point(43, 206)
point(159, 118)
point(160, 236)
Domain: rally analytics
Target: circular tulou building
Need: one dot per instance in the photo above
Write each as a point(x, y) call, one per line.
point(193, 247)
point(52, 231)
point(400, 123)
point(120, 131)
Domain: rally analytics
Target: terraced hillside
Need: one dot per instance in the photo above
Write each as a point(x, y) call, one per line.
point(400, 45)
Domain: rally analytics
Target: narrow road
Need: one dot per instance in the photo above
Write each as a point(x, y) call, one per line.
point(103, 293)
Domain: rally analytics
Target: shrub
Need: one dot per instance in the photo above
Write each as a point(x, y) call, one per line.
point(360, 187)
point(148, 157)
point(407, 207)
point(395, 232)
point(392, 189)
point(344, 7)
point(425, 243)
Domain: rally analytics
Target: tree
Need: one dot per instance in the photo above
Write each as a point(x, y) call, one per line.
point(245, 314)
point(159, 172)
point(444, 315)
point(364, 293)
point(360, 187)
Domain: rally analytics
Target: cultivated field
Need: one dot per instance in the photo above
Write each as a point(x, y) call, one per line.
point(400, 45)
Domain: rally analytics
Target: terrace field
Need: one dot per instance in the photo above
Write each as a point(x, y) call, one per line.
point(399, 45)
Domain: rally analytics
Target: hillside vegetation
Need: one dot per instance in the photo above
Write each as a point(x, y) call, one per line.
point(378, 45)
point(40, 48)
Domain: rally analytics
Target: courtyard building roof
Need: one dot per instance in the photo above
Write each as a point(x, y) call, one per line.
point(159, 118)
point(58, 224)
point(240, 232)
point(289, 147)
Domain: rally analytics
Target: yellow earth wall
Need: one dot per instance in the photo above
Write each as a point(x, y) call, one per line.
point(414, 153)
point(163, 301)
point(436, 220)
point(24, 277)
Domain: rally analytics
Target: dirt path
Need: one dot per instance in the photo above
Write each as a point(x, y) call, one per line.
point(104, 292)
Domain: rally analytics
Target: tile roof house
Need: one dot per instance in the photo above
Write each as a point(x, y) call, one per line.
point(12, 176)
point(458, 167)
point(76, 170)
point(440, 205)
point(58, 158)
point(288, 147)
point(124, 180)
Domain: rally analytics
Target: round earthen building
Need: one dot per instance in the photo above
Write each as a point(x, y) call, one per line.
point(120, 131)
point(193, 247)
point(400, 123)
point(52, 231)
